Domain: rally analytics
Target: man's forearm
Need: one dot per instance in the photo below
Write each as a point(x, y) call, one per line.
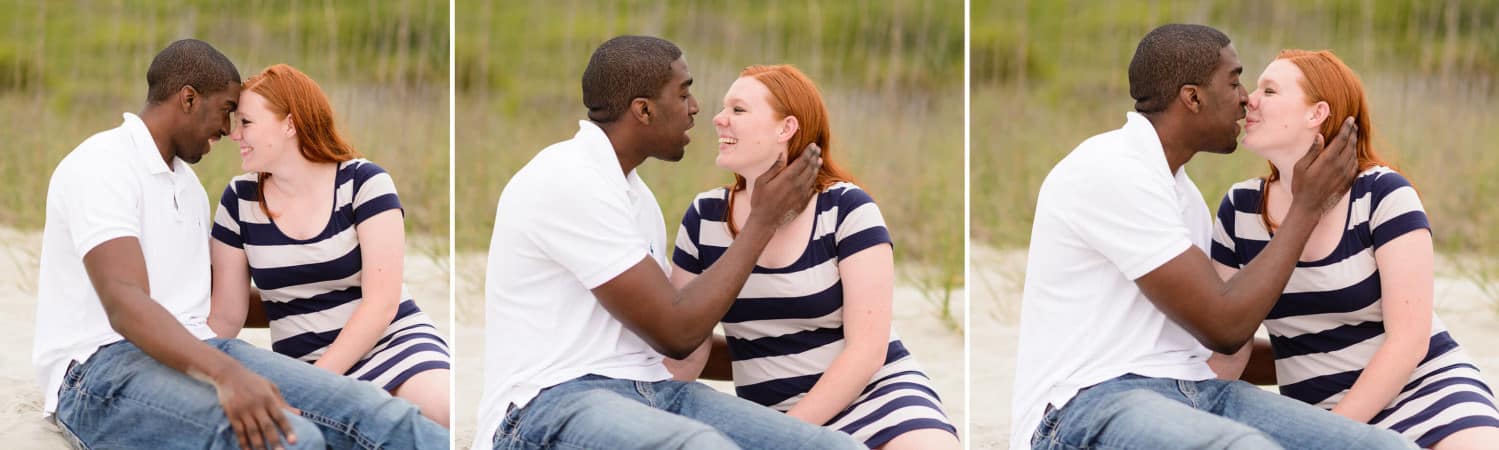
point(150, 327)
point(1252, 292)
point(707, 298)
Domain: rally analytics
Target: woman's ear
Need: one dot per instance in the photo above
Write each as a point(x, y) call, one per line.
point(788, 128)
point(1318, 114)
point(291, 127)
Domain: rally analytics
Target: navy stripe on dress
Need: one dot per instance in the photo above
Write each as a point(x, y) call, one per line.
point(1329, 323)
point(789, 319)
point(311, 287)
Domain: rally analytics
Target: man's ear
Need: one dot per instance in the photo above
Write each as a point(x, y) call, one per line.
point(1188, 96)
point(788, 128)
point(187, 98)
point(641, 109)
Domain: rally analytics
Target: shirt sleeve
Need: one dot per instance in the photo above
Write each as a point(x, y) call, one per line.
point(99, 204)
point(1131, 217)
point(860, 224)
point(686, 254)
point(226, 219)
point(374, 192)
point(1397, 209)
point(1223, 232)
point(588, 227)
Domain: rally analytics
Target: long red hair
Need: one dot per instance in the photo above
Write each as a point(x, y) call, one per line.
point(1325, 78)
point(288, 91)
point(793, 94)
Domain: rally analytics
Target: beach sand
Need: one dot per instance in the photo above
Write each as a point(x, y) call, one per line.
point(21, 398)
point(997, 280)
point(938, 347)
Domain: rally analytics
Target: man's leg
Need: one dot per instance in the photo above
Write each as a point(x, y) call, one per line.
point(1292, 423)
point(1133, 412)
point(122, 398)
point(749, 424)
point(595, 412)
point(351, 413)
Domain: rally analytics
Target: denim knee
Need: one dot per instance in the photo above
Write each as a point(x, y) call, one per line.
point(308, 435)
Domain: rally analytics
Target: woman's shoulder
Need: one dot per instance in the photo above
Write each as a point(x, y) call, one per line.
point(359, 168)
point(1245, 194)
point(845, 193)
point(710, 199)
point(244, 184)
point(1380, 182)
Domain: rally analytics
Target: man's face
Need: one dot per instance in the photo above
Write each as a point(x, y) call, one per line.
point(1223, 102)
point(675, 107)
point(207, 120)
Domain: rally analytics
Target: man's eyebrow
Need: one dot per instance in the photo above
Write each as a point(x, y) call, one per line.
point(233, 105)
point(1237, 71)
point(687, 83)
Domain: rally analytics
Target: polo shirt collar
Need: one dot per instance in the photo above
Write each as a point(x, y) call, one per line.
point(1147, 142)
point(144, 146)
point(600, 151)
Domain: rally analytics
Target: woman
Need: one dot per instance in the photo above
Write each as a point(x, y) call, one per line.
point(1354, 332)
point(320, 232)
point(810, 333)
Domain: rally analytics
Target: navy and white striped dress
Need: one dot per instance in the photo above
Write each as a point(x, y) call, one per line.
point(311, 287)
point(1329, 322)
point(786, 327)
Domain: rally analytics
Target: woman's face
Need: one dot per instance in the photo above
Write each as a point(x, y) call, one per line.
point(750, 135)
point(263, 136)
point(1280, 119)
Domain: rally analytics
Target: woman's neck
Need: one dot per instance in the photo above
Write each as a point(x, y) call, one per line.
point(1284, 160)
point(300, 176)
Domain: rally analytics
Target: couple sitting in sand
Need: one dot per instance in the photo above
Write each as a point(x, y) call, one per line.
point(1130, 339)
point(135, 332)
point(593, 339)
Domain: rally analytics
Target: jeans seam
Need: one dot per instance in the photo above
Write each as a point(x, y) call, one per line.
point(73, 439)
point(644, 389)
point(342, 428)
point(148, 405)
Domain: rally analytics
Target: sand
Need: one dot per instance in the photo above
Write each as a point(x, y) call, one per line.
point(21, 397)
point(997, 278)
point(937, 346)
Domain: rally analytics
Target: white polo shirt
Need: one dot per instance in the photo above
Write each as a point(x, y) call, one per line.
point(115, 185)
point(1107, 214)
point(567, 222)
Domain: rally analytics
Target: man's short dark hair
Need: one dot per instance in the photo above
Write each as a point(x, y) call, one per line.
point(623, 69)
point(1168, 58)
point(188, 62)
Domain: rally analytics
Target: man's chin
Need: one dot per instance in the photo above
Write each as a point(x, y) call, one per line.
point(193, 158)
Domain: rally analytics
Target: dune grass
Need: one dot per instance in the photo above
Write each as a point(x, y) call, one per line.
point(68, 70)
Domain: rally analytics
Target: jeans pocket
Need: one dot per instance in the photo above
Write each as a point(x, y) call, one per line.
point(73, 376)
point(510, 427)
point(1047, 430)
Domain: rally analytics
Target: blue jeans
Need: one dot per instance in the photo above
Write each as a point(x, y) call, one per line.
point(596, 412)
point(1136, 412)
point(123, 398)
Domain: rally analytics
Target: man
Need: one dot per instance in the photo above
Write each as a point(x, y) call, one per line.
point(578, 307)
point(123, 348)
point(1122, 308)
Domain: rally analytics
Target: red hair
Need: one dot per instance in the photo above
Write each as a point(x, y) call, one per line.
point(289, 92)
point(1325, 78)
point(793, 94)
